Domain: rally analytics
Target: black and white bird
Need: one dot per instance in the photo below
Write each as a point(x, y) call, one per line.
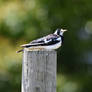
point(49, 42)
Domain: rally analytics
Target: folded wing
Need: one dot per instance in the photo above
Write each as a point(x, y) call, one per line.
point(47, 40)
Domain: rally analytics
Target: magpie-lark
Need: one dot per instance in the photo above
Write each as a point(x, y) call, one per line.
point(49, 42)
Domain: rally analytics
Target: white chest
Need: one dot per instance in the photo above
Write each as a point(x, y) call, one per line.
point(55, 46)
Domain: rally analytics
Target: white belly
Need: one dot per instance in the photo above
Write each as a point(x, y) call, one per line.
point(51, 47)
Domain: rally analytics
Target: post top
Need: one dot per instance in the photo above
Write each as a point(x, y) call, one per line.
point(39, 51)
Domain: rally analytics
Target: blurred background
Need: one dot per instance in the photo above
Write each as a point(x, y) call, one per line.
point(24, 20)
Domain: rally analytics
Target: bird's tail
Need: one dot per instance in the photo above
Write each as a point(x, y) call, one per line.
point(26, 45)
point(20, 51)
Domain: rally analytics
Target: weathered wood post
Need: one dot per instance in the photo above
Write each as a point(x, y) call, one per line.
point(39, 71)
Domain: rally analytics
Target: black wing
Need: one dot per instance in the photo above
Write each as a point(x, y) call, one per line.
point(47, 40)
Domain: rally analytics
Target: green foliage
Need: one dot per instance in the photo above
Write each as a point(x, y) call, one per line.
point(22, 20)
point(11, 81)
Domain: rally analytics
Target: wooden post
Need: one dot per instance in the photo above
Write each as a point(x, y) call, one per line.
point(39, 71)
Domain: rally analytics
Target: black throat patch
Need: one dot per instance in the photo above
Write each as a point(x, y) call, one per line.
point(62, 38)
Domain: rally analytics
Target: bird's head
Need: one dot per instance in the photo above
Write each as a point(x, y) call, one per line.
point(60, 32)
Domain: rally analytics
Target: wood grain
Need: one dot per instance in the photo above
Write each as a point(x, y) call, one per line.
point(39, 71)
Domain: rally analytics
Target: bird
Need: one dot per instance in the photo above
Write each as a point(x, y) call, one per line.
point(49, 42)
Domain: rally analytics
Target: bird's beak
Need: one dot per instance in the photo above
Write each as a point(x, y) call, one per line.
point(63, 30)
